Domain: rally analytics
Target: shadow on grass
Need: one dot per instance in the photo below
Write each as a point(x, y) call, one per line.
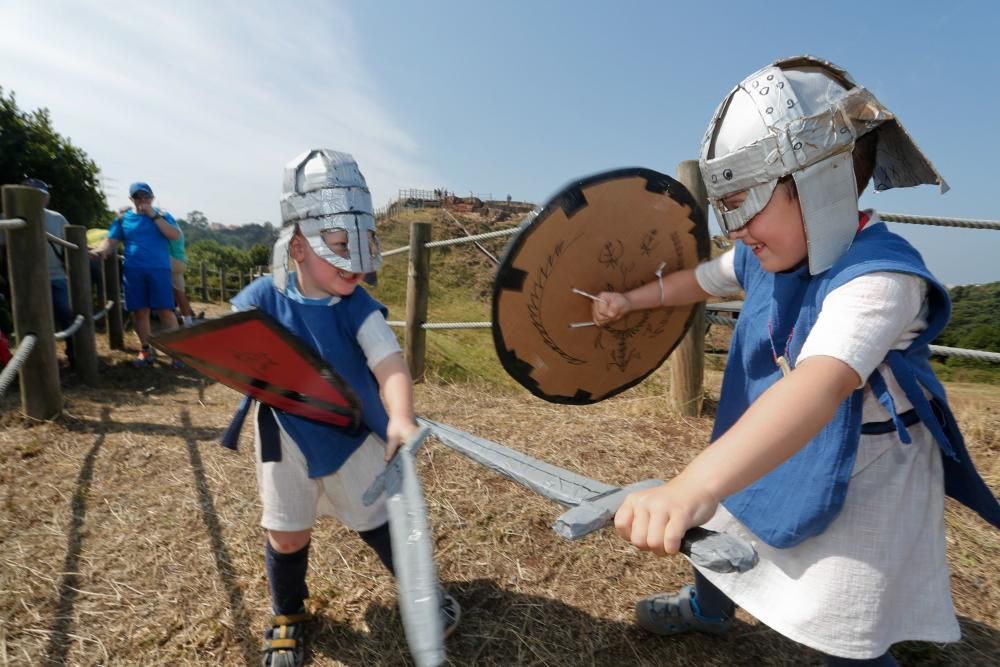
point(223, 564)
point(60, 638)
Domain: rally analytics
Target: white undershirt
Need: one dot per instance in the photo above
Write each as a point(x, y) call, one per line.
point(859, 322)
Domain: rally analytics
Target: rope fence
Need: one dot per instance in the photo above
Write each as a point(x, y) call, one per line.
point(417, 288)
point(13, 223)
point(967, 223)
point(415, 324)
point(13, 366)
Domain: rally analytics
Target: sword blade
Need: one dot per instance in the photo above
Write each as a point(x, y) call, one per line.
point(593, 503)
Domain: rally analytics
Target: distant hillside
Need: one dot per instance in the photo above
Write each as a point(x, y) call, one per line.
point(243, 237)
point(974, 325)
point(974, 318)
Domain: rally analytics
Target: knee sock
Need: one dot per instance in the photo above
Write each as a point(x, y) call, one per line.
point(709, 602)
point(286, 577)
point(378, 539)
point(884, 660)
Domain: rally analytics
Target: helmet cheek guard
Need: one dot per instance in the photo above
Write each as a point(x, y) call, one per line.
point(800, 117)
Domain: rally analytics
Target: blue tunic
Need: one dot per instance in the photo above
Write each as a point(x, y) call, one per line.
point(332, 332)
point(803, 495)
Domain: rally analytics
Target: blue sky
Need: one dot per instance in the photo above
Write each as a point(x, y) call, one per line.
point(208, 100)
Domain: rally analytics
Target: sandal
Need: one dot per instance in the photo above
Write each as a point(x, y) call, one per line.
point(674, 613)
point(285, 641)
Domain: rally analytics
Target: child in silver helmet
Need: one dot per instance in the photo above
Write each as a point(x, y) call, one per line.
point(834, 445)
point(305, 468)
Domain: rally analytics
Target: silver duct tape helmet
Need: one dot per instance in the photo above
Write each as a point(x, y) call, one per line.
point(801, 117)
point(325, 192)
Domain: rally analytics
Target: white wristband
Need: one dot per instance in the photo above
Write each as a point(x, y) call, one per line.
point(659, 279)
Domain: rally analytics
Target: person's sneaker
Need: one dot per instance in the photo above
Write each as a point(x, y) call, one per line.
point(674, 613)
point(451, 613)
point(285, 641)
point(147, 355)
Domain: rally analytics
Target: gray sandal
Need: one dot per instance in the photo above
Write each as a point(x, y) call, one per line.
point(285, 641)
point(674, 613)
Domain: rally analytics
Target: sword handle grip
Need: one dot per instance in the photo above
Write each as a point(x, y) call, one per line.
point(719, 552)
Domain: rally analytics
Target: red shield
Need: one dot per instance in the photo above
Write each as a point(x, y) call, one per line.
point(253, 354)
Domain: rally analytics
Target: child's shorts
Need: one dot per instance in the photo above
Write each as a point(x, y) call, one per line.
point(292, 500)
point(148, 288)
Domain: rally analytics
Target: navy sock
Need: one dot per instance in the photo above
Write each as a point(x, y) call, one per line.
point(378, 539)
point(286, 577)
point(710, 602)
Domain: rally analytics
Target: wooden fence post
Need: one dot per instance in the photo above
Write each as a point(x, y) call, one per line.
point(81, 299)
point(204, 283)
point(31, 297)
point(417, 283)
point(222, 284)
point(113, 292)
point(687, 363)
point(239, 279)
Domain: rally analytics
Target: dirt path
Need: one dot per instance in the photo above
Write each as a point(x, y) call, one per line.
point(128, 537)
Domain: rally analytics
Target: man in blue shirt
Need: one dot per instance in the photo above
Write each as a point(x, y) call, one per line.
point(146, 233)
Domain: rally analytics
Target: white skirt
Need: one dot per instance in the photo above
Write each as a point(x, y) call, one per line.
point(876, 576)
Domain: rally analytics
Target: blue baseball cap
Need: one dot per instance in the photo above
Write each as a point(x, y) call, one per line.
point(37, 183)
point(139, 186)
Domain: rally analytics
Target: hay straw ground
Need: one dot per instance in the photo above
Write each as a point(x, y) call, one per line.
point(128, 537)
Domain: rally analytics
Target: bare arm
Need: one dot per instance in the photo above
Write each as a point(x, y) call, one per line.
point(777, 425)
point(170, 231)
point(107, 247)
point(397, 392)
point(679, 288)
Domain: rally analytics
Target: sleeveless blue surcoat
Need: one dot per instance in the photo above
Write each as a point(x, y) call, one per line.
point(802, 496)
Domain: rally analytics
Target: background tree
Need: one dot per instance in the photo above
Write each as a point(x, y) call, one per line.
point(29, 146)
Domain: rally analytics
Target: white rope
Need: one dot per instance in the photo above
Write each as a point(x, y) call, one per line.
point(465, 239)
point(475, 237)
point(61, 241)
point(104, 312)
point(968, 223)
point(71, 329)
point(444, 325)
point(13, 223)
point(963, 353)
point(15, 363)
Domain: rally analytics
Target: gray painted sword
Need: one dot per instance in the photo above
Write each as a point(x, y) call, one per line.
point(592, 504)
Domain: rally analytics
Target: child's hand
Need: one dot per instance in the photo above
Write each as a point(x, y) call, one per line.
point(611, 306)
point(656, 519)
point(398, 432)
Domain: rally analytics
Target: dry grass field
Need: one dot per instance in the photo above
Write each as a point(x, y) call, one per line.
point(129, 537)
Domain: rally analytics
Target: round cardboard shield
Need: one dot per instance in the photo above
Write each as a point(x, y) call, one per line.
point(609, 232)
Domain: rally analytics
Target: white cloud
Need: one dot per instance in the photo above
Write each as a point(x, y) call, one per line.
point(206, 101)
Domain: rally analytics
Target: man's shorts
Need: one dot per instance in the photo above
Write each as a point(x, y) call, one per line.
point(148, 288)
point(292, 500)
point(177, 267)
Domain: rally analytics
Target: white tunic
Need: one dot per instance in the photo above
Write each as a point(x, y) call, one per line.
point(878, 574)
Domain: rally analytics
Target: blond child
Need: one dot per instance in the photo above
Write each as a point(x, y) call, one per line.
point(305, 468)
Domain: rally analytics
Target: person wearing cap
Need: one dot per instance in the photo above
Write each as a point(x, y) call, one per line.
point(305, 468)
point(834, 445)
point(55, 256)
point(146, 232)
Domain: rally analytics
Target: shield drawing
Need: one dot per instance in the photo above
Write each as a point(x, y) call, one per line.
point(609, 232)
point(250, 352)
